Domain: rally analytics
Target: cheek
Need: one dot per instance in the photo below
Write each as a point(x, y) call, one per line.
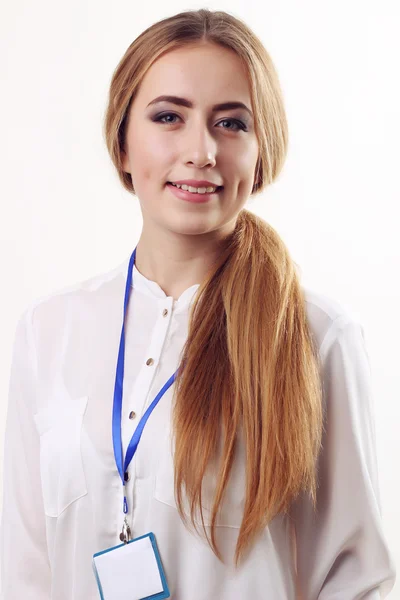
point(249, 160)
point(151, 157)
point(240, 161)
point(160, 152)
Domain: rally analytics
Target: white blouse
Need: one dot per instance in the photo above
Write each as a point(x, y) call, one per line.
point(62, 493)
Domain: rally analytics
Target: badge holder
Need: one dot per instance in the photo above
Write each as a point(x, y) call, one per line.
point(131, 571)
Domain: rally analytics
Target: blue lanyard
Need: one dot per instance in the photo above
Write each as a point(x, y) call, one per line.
point(118, 388)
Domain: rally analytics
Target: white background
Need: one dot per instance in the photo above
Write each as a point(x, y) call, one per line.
point(65, 217)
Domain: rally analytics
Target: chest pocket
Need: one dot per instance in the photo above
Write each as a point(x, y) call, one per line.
point(61, 467)
point(232, 506)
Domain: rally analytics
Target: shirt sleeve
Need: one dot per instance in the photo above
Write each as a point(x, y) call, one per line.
point(25, 568)
point(341, 549)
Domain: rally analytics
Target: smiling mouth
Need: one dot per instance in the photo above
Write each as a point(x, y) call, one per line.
point(218, 187)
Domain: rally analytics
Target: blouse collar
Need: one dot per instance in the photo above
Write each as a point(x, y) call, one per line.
point(152, 289)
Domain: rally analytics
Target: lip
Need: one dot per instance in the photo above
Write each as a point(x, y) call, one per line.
point(190, 196)
point(197, 183)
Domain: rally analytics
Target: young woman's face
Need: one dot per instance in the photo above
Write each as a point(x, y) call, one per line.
point(169, 142)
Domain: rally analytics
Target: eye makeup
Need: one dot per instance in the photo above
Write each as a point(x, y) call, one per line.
point(157, 118)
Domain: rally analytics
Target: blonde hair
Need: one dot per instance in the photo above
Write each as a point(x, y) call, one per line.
point(250, 364)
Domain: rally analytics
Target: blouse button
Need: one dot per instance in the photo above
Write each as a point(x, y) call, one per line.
point(132, 414)
point(149, 361)
point(127, 476)
point(165, 312)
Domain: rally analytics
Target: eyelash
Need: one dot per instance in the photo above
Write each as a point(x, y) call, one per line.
point(158, 118)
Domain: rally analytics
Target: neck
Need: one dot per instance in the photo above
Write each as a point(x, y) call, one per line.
point(176, 261)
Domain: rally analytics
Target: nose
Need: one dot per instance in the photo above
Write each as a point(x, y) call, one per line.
point(201, 148)
point(203, 161)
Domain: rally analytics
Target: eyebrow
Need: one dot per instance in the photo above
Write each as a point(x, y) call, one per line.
point(189, 104)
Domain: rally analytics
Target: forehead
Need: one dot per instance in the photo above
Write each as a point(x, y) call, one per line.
point(206, 73)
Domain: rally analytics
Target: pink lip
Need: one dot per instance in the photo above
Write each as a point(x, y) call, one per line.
point(190, 196)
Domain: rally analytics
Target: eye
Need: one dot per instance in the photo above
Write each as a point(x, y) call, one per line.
point(237, 122)
point(160, 118)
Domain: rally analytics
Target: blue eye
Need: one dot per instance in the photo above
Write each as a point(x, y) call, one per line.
point(161, 117)
point(237, 122)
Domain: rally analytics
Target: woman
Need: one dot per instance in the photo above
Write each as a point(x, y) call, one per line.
point(256, 468)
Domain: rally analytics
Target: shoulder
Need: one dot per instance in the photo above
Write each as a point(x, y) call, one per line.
point(108, 284)
point(328, 317)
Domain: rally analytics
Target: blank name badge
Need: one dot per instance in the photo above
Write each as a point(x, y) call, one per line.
point(131, 571)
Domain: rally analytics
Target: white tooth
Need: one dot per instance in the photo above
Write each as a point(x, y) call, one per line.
point(193, 190)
